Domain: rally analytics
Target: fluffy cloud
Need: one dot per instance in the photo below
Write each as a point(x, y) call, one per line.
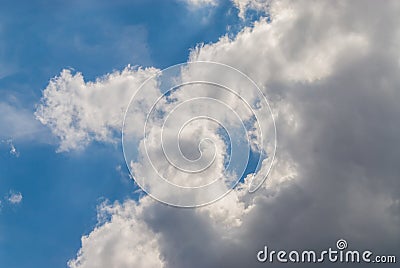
point(80, 112)
point(185, 142)
point(330, 70)
point(103, 247)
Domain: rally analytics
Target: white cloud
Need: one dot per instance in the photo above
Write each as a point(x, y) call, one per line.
point(244, 5)
point(191, 145)
point(103, 247)
point(80, 112)
point(200, 3)
point(14, 197)
point(330, 70)
point(282, 51)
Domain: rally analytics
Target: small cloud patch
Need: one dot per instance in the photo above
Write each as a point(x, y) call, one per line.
point(14, 197)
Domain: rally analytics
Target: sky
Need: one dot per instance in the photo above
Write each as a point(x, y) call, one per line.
point(68, 70)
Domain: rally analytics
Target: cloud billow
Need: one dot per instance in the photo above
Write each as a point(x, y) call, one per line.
point(330, 71)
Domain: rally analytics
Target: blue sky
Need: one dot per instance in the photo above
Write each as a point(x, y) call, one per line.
point(37, 40)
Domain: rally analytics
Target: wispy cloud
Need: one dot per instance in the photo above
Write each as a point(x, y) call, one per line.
point(18, 123)
point(200, 3)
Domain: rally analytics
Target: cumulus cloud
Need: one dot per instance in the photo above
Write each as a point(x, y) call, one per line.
point(80, 112)
point(330, 71)
point(196, 137)
point(119, 223)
